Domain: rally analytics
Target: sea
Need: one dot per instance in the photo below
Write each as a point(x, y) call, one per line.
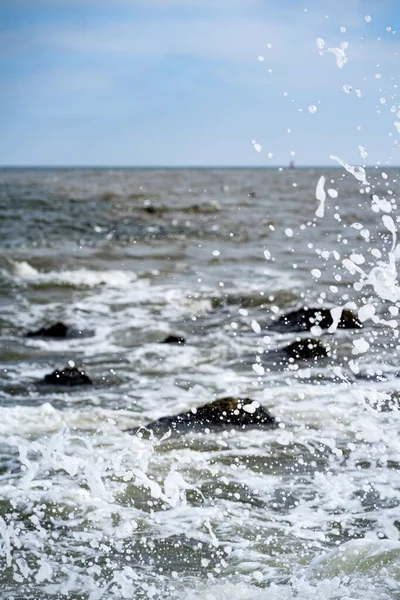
point(126, 257)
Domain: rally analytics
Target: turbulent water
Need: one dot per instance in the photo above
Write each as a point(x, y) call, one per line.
point(127, 257)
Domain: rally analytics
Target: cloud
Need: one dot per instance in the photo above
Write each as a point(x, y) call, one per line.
point(224, 39)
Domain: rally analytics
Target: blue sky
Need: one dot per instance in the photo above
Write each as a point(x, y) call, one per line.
point(198, 82)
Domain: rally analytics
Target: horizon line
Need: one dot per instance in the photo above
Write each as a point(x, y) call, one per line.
point(190, 167)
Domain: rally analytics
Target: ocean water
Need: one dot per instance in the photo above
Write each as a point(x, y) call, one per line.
point(127, 257)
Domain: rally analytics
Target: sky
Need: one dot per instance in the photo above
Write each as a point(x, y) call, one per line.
point(199, 82)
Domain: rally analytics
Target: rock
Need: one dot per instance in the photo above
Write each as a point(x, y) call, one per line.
point(68, 376)
point(305, 318)
point(225, 413)
point(150, 209)
point(174, 339)
point(307, 349)
point(58, 330)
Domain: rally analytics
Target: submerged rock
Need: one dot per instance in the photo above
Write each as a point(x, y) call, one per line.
point(305, 318)
point(174, 339)
point(58, 330)
point(225, 413)
point(68, 376)
point(307, 349)
point(151, 209)
point(205, 207)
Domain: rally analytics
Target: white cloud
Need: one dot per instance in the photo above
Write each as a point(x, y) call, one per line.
point(221, 38)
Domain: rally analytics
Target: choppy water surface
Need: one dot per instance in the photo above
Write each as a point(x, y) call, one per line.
point(308, 510)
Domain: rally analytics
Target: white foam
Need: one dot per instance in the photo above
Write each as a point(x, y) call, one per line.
point(300, 587)
point(383, 278)
point(24, 270)
point(79, 277)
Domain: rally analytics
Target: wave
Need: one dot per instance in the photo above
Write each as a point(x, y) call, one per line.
point(24, 272)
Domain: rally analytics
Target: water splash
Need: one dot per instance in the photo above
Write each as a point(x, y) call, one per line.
point(357, 171)
point(321, 197)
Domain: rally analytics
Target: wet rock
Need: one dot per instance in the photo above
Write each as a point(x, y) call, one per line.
point(151, 209)
point(307, 349)
point(58, 330)
point(68, 376)
point(204, 207)
point(225, 413)
point(305, 318)
point(174, 339)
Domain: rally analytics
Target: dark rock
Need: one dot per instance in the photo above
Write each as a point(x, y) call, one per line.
point(225, 413)
point(174, 339)
point(305, 318)
point(58, 330)
point(150, 209)
point(307, 349)
point(68, 376)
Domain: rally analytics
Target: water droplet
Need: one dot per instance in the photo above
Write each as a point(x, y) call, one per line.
point(257, 368)
point(363, 152)
point(256, 327)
